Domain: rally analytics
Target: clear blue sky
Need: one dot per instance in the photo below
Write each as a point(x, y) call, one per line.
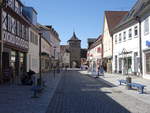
point(85, 16)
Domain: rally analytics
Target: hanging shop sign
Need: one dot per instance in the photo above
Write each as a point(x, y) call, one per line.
point(148, 43)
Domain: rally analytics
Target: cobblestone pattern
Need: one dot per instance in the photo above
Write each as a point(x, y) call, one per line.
point(82, 94)
point(17, 98)
point(112, 79)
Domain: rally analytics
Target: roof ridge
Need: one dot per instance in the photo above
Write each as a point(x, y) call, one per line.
point(114, 11)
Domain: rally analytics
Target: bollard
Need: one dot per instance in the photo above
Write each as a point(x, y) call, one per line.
point(34, 88)
point(129, 80)
point(34, 92)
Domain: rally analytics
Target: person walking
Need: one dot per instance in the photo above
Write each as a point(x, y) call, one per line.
point(101, 70)
point(11, 72)
point(98, 71)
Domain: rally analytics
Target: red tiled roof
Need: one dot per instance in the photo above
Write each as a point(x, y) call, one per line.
point(64, 48)
point(113, 18)
point(97, 42)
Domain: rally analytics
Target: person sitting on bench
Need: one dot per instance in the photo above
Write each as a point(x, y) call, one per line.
point(27, 78)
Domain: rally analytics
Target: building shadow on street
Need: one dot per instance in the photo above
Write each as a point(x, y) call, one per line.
point(77, 93)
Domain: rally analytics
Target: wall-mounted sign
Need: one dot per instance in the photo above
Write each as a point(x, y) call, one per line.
point(8, 37)
point(148, 43)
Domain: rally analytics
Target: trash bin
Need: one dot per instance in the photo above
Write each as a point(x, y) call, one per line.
point(129, 80)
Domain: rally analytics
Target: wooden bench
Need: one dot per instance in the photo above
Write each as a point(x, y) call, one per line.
point(122, 81)
point(137, 85)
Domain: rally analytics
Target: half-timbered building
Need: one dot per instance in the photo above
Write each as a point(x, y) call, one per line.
point(15, 37)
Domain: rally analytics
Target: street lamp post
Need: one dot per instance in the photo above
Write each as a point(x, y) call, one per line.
point(138, 19)
point(125, 60)
point(2, 5)
point(54, 61)
point(58, 63)
point(125, 57)
point(40, 68)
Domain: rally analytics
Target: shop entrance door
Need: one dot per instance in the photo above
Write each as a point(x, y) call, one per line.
point(5, 60)
point(13, 62)
point(129, 65)
point(120, 65)
point(5, 67)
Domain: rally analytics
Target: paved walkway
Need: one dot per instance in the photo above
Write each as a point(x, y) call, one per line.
point(112, 79)
point(17, 99)
point(72, 92)
point(77, 93)
point(81, 94)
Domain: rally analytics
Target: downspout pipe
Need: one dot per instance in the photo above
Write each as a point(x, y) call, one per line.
point(1, 46)
point(40, 60)
point(140, 44)
point(112, 53)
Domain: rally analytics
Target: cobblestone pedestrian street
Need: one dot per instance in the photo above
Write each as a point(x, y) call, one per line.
point(77, 93)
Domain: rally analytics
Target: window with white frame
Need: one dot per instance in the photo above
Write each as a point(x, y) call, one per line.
point(146, 26)
point(116, 39)
point(135, 31)
point(36, 39)
point(18, 27)
point(148, 63)
point(26, 33)
point(23, 29)
point(124, 36)
point(33, 38)
point(120, 37)
point(130, 33)
point(20, 30)
point(9, 23)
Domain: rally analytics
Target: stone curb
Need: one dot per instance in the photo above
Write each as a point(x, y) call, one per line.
point(54, 90)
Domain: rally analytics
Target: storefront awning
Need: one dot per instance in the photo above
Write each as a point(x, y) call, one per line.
point(126, 53)
point(146, 50)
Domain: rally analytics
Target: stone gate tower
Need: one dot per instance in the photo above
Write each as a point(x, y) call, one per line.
point(74, 48)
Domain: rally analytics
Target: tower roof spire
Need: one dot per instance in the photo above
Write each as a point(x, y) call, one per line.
point(74, 37)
